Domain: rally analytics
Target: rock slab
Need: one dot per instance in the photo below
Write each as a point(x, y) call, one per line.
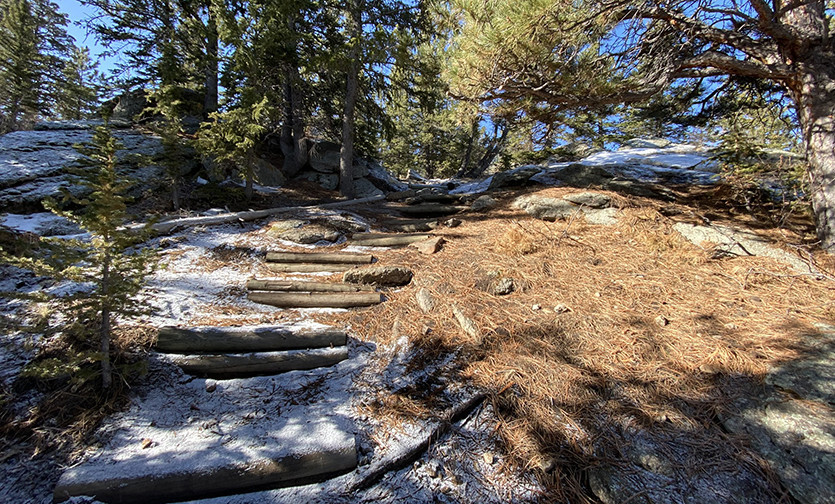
point(386, 276)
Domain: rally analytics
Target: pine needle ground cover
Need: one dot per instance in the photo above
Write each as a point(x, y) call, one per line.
point(610, 330)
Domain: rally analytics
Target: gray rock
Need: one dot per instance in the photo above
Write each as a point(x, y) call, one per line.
point(484, 203)
point(647, 143)
point(503, 286)
point(546, 208)
point(813, 376)
point(514, 178)
point(325, 156)
point(33, 163)
point(386, 276)
point(328, 181)
point(589, 199)
point(130, 105)
point(364, 188)
point(636, 188)
point(384, 180)
point(796, 438)
point(268, 174)
point(650, 472)
point(425, 300)
point(579, 175)
point(731, 241)
point(306, 233)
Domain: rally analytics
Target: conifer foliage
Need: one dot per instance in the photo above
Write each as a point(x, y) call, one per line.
point(106, 263)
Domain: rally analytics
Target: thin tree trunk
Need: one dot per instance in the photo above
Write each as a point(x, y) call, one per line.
point(249, 175)
point(346, 162)
point(468, 154)
point(104, 336)
point(211, 99)
point(287, 143)
point(493, 150)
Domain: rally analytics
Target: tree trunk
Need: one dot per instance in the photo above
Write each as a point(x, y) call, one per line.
point(211, 99)
point(468, 154)
point(346, 161)
point(814, 94)
point(287, 143)
point(249, 176)
point(104, 335)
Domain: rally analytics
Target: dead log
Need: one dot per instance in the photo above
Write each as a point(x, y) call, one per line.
point(263, 363)
point(316, 299)
point(386, 240)
point(245, 339)
point(170, 225)
point(293, 286)
point(319, 258)
point(309, 268)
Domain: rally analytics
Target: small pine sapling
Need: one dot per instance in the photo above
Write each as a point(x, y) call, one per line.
point(106, 263)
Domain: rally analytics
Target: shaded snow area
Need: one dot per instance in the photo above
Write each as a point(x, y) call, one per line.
point(675, 164)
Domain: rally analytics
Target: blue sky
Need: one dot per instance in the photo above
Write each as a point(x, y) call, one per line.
point(77, 13)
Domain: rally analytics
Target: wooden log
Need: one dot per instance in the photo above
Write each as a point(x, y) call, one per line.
point(245, 339)
point(316, 299)
point(319, 258)
point(170, 225)
point(294, 286)
point(259, 364)
point(430, 210)
point(386, 240)
point(411, 226)
point(173, 476)
point(309, 268)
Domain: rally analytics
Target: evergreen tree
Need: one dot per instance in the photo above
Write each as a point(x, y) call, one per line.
point(542, 55)
point(79, 89)
point(33, 43)
point(108, 260)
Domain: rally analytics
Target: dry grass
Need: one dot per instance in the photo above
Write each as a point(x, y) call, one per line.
point(655, 324)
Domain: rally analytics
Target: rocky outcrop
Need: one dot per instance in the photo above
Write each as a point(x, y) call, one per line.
point(33, 163)
point(514, 178)
point(790, 422)
point(370, 179)
point(552, 209)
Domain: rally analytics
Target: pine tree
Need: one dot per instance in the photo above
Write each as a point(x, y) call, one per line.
point(33, 44)
point(78, 93)
point(109, 260)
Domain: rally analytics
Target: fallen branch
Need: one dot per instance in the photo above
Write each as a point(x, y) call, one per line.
point(376, 470)
point(170, 225)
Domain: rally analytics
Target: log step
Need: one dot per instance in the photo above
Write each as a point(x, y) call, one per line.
point(309, 268)
point(316, 299)
point(319, 258)
point(246, 339)
point(294, 286)
point(300, 451)
point(387, 240)
point(258, 364)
